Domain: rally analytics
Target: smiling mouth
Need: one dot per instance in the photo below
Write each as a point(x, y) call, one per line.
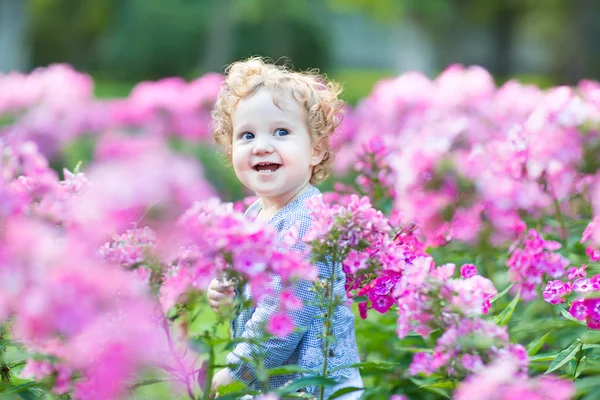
point(266, 167)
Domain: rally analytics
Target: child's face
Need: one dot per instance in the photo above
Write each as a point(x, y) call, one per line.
point(272, 151)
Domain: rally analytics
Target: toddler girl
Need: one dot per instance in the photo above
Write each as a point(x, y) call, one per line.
point(275, 125)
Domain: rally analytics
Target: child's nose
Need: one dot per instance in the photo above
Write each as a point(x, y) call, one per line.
point(262, 145)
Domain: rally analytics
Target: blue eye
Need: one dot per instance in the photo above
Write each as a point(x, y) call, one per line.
point(247, 135)
point(282, 132)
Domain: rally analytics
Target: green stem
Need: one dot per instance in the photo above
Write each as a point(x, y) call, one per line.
point(209, 373)
point(579, 354)
point(328, 320)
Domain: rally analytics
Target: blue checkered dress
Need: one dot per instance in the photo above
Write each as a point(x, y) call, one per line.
point(303, 348)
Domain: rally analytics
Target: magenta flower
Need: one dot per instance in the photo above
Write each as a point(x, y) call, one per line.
point(280, 325)
point(468, 270)
point(579, 309)
point(381, 303)
point(577, 272)
point(594, 254)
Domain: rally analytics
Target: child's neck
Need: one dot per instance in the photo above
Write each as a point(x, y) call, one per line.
point(271, 206)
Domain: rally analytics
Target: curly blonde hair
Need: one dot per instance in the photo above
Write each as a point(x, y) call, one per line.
point(319, 97)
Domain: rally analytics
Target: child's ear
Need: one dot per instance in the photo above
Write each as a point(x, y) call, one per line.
point(317, 154)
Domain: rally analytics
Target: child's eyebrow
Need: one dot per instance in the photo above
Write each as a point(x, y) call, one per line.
point(243, 127)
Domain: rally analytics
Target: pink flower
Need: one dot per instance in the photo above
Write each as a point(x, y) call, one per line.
point(421, 363)
point(471, 363)
point(593, 307)
point(595, 281)
point(280, 325)
point(289, 301)
point(594, 254)
point(577, 272)
point(578, 309)
point(555, 291)
point(362, 309)
point(468, 270)
point(355, 261)
point(590, 229)
point(381, 303)
point(582, 285)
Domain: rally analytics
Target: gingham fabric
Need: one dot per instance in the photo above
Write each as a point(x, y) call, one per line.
point(302, 348)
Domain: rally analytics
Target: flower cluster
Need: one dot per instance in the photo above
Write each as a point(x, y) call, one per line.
point(592, 234)
point(503, 380)
point(218, 241)
point(469, 155)
point(532, 257)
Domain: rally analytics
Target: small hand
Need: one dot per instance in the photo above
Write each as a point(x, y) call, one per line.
point(221, 378)
point(220, 295)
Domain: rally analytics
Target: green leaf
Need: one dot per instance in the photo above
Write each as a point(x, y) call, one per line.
point(564, 356)
point(288, 369)
point(231, 388)
point(343, 391)
point(444, 384)
point(505, 315)
point(147, 382)
point(536, 345)
point(360, 299)
point(543, 357)
point(432, 389)
point(21, 388)
point(502, 293)
point(366, 365)
point(303, 382)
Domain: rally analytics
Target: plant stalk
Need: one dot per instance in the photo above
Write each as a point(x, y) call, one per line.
point(328, 321)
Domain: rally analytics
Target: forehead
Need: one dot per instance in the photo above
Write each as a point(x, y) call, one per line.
point(265, 103)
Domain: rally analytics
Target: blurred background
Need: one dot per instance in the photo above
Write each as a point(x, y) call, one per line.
point(121, 42)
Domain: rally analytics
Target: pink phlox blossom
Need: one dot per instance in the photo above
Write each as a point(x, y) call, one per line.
point(468, 270)
point(579, 309)
point(556, 291)
point(582, 285)
point(577, 272)
point(471, 294)
point(593, 254)
point(443, 272)
point(501, 380)
point(280, 325)
point(471, 362)
point(416, 272)
point(592, 231)
point(355, 261)
point(530, 259)
point(129, 248)
point(421, 364)
point(289, 301)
